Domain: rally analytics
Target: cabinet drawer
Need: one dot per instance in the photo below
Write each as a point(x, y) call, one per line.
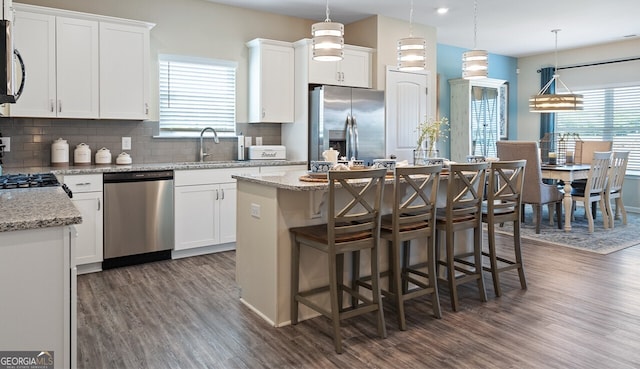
point(209, 176)
point(84, 182)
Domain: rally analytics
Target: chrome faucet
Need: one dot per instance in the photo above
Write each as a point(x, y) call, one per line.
point(215, 139)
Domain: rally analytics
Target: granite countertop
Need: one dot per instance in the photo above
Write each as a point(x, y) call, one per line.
point(290, 181)
point(96, 169)
point(29, 208)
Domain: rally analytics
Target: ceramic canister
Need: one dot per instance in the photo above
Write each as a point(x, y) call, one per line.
point(60, 153)
point(103, 156)
point(82, 154)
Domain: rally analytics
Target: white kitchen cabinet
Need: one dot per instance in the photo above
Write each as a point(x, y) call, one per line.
point(205, 210)
point(38, 289)
point(61, 63)
point(124, 71)
point(271, 81)
point(477, 117)
point(88, 199)
point(354, 70)
point(81, 65)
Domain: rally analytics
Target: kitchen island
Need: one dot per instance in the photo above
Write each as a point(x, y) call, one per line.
point(37, 275)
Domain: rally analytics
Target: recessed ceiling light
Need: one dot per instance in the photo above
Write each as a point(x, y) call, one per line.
point(442, 10)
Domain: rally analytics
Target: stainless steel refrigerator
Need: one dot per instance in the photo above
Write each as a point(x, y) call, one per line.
point(351, 120)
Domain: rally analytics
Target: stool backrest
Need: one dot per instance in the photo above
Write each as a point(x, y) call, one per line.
point(415, 192)
point(357, 216)
point(506, 179)
point(465, 192)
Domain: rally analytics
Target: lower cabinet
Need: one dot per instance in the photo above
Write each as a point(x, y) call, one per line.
point(87, 197)
point(205, 210)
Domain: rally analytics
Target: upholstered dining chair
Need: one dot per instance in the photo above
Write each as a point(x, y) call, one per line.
point(594, 190)
point(613, 191)
point(503, 204)
point(413, 217)
point(353, 224)
point(534, 192)
point(463, 211)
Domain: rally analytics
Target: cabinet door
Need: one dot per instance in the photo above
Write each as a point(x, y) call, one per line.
point(323, 72)
point(35, 39)
point(77, 68)
point(354, 69)
point(227, 212)
point(89, 241)
point(196, 216)
point(124, 73)
point(277, 84)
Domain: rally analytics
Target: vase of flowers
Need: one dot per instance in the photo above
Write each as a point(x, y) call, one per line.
point(429, 132)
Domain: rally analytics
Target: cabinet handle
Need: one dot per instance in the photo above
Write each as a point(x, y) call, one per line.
point(338, 76)
point(342, 74)
point(146, 108)
point(83, 184)
point(59, 106)
point(264, 113)
point(52, 105)
point(222, 190)
point(98, 204)
point(217, 195)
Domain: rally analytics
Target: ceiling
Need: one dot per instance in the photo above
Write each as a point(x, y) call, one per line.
point(506, 27)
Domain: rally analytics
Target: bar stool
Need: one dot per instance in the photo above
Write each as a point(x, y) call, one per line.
point(353, 224)
point(504, 204)
point(413, 217)
point(465, 191)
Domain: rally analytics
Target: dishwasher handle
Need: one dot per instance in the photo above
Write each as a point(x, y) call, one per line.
point(138, 176)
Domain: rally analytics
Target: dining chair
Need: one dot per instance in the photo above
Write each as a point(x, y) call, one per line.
point(412, 218)
point(594, 190)
point(534, 192)
point(613, 191)
point(587, 148)
point(503, 204)
point(463, 211)
point(353, 224)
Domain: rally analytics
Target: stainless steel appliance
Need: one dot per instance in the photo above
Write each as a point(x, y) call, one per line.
point(351, 120)
point(8, 92)
point(138, 217)
point(11, 181)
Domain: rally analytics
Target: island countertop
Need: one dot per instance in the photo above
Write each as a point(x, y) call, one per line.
point(31, 208)
point(291, 181)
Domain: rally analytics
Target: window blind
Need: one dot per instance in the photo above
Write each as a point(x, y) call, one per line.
point(611, 114)
point(197, 93)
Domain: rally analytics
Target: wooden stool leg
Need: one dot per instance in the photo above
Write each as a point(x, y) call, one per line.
point(398, 284)
point(477, 232)
point(493, 259)
point(518, 250)
point(333, 296)
point(433, 277)
point(451, 272)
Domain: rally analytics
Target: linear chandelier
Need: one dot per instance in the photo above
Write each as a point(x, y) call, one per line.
point(545, 102)
point(475, 63)
point(412, 54)
point(328, 39)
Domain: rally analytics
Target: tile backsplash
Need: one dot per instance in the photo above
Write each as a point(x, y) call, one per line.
point(31, 140)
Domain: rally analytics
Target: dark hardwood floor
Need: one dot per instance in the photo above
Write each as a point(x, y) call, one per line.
point(582, 310)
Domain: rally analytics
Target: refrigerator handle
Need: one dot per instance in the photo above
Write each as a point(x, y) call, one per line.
point(349, 128)
point(354, 125)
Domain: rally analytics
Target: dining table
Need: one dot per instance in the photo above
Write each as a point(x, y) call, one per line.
point(567, 174)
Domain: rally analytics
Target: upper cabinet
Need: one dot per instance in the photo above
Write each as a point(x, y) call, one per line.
point(354, 70)
point(271, 81)
point(124, 71)
point(81, 66)
point(61, 66)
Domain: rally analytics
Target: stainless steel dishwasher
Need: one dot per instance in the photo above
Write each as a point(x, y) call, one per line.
point(138, 217)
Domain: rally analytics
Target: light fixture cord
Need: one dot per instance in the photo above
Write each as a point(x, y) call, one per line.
point(411, 20)
point(555, 71)
point(327, 19)
point(475, 24)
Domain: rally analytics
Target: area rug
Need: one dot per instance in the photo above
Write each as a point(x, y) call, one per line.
point(601, 241)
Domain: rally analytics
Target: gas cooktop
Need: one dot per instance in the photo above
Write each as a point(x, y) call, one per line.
point(10, 181)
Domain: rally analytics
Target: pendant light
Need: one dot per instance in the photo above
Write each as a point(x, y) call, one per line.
point(412, 50)
point(475, 63)
point(328, 39)
point(545, 102)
